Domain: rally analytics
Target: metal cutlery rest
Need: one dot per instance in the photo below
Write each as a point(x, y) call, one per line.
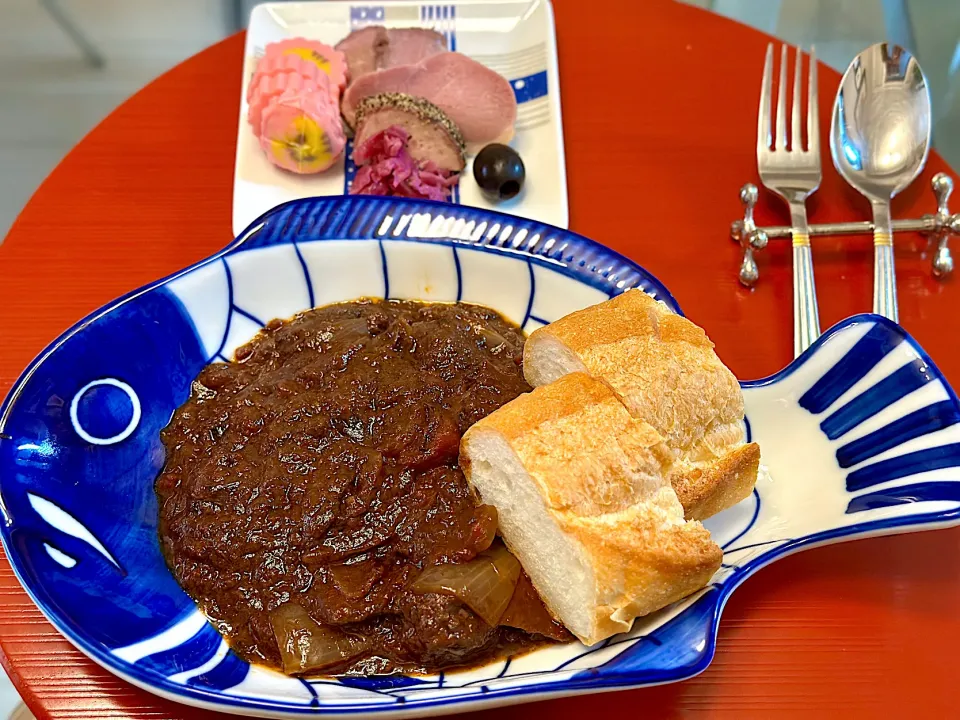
point(939, 226)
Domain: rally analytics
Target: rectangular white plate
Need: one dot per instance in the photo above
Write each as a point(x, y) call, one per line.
point(513, 37)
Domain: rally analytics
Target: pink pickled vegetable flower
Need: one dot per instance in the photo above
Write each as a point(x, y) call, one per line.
point(386, 168)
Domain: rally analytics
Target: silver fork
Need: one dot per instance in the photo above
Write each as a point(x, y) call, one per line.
point(794, 175)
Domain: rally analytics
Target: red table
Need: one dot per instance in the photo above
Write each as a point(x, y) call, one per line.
point(659, 115)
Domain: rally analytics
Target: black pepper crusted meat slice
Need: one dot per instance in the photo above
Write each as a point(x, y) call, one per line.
point(481, 102)
point(434, 136)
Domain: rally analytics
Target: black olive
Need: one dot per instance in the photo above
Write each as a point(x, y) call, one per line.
point(499, 171)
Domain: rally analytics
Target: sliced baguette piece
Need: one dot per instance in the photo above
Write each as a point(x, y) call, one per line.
point(665, 371)
point(584, 502)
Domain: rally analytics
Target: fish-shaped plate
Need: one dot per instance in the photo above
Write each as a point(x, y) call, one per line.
point(859, 435)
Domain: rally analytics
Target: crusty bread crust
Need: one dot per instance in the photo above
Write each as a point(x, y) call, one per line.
point(707, 488)
point(584, 450)
point(642, 563)
point(603, 478)
point(661, 365)
point(665, 371)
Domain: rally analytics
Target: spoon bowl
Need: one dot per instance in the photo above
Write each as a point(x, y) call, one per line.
point(880, 132)
point(879, 141)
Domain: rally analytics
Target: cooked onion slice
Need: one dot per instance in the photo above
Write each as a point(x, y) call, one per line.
point(484, 584)
point(307, 646)
point(527, 612)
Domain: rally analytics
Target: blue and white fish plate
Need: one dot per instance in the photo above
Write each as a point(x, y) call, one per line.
point(860, 436)
point(515, 38)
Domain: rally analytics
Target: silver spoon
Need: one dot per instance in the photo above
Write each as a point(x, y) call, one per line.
point(879, 140)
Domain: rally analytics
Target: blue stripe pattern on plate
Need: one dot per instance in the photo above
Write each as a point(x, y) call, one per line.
point(901, 428)
point(530, 87)
point(918, 492)
point(363, 15)
point(868, 351)
point(441, 18)
point(921, 422)
point(903, 381)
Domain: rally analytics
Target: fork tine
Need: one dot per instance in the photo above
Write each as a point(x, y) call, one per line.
point(813, 110)
point(781, 140)
point(763, 117)
point(796, 131)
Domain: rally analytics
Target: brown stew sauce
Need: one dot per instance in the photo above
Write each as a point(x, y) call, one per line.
point(313, 479)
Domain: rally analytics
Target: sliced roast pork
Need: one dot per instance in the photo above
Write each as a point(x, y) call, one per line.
point(432, 135)
point(362, 48)
point(477, 99)
point(407, 46)
point(377, 48)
